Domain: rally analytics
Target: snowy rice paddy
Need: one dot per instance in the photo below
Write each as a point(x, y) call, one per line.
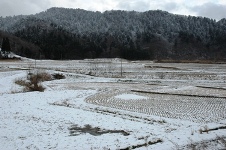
point(114, 104)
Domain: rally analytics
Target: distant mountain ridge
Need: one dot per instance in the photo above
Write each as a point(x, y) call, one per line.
point(63, 33)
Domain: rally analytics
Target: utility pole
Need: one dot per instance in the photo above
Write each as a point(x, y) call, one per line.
point(35, 60)
point(35, 63)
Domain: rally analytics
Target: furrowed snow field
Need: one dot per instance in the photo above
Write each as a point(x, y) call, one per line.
point(114, 104)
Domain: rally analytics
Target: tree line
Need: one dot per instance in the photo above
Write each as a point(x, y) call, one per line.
point(61, 33)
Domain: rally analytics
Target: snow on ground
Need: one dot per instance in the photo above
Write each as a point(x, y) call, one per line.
point(130, 97)
point(106, 111)
point(7, 81)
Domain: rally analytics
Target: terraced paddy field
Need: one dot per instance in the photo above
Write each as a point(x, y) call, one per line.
point(119, 103)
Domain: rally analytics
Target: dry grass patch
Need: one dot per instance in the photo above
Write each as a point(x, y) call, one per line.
point(21, 82)
point(95, 131)
point(33, 81)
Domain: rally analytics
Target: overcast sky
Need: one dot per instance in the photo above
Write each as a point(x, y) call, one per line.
point(215, 9)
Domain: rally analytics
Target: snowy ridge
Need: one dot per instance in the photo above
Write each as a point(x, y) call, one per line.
point(126, 34)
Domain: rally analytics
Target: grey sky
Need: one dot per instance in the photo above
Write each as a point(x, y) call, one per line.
point(215, 9)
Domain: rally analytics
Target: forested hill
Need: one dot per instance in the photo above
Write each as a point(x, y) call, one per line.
point(63, 33)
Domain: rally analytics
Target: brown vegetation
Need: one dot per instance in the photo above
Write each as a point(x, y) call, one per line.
point(33, 82)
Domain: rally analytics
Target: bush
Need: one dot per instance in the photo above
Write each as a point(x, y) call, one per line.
point(58, 76)
point(21, 82)
point(36, 79)
point(33, 82)
point(39, 76)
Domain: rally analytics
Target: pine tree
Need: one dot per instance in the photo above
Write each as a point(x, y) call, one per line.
point(5, 47)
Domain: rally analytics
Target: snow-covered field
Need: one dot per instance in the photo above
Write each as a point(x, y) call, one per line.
point(114, 104)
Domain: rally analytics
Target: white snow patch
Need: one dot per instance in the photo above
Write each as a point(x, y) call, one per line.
point(130, 97)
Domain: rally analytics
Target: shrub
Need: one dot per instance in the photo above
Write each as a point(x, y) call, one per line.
point(39, 76)
point(58, 76)
point(45, 76)
point(21, 82)
point(33, 82)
